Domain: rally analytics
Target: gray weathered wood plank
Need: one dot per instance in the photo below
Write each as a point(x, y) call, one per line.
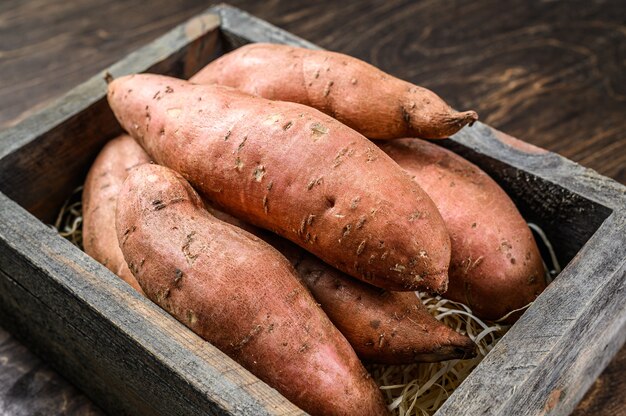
point(573, 329)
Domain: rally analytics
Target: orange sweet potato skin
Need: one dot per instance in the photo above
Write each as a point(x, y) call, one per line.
point(293, 170)
point(358, 94)
point(238, 293)
point(496, 266)
point(382, 327)
point(101, 188)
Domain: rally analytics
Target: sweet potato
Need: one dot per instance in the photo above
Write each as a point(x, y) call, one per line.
point(358, 94)
point(293, 170)
point(103, 183)
point(382, 327)
point(238, 293)
point(496, 266)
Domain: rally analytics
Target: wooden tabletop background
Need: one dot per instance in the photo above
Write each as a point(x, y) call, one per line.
point(550, 73)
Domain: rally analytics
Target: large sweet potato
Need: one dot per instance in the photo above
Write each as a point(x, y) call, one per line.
point(291, 169)
point(238, 293)
point(358, 94)
point(496, 266)
point(103, 183)
point(382, 327)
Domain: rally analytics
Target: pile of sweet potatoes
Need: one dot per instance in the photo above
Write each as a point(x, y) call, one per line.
point(196, 209)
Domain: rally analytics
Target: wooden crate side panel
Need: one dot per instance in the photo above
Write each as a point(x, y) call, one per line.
point(43, 173)
point(49, 153)
point(561, 343)
point(84, 370)
point(128, 354)
point(597, 335)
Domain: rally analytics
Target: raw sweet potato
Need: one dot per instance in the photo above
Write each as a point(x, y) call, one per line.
point(358, 94)
point(293, 170)
point(103, 183)
point(496, 266)
point(382, 327)
point(238, 293)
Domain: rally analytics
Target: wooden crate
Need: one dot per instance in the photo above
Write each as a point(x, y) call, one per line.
point(131, 357)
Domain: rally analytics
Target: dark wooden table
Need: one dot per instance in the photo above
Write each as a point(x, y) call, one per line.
point(550, 73)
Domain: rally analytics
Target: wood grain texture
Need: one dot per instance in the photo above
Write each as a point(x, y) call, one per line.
point(24, 377)
point(550, 73)
point(48, 47)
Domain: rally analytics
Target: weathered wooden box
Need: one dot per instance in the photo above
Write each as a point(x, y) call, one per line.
point(132, 358)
